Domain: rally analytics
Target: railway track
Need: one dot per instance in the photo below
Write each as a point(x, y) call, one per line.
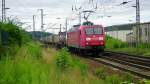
point(138, 65)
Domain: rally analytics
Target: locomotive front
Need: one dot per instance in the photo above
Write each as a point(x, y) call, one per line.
point(93, 38)
point(87, 38)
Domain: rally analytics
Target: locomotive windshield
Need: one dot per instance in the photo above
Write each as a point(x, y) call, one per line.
point(90, 31)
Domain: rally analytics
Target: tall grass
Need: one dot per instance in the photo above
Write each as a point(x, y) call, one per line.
point(118, 45)
point(29, 67)
point(112, 43)
point(71, 70)
point(64, 61)
point(25, 68)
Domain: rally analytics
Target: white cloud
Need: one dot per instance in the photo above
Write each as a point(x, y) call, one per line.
point(62, 8)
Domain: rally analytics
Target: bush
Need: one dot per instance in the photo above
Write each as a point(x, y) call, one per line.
point(16, 37)
point(63, 60)
point(16, 34)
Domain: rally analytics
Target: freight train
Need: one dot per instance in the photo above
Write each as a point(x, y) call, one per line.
point(85, 38)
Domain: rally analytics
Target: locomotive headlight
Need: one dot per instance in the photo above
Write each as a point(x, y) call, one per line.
point(87, 43)
point(88, 39)
point(101, 38)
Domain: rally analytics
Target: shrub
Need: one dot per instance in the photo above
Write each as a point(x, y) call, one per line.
point(16, 37)
point(16, 34)
point(63, 60)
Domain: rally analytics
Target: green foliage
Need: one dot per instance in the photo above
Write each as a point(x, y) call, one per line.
point(17, 37)
point(113, 79)
point(24, 69)
point(77, 63)
point(16, 34)
point(24, 72)
point(112, 43)
point(83, 68)
point(128, 78)
point(143, 45)
point(147, 82)
point(63, 60)
point(28, 67)
point(34, 49)
point(119, 46)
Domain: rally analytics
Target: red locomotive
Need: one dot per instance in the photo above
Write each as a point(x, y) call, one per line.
point(87, 38)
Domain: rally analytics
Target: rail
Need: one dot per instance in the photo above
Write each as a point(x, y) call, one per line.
point(138, 65)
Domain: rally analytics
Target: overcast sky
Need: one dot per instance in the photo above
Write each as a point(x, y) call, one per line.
point(24, 9)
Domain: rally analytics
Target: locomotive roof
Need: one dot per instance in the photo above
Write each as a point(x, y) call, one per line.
point(76, 27)
point(87, 23)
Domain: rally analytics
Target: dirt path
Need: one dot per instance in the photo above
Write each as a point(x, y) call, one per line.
point(49, 54)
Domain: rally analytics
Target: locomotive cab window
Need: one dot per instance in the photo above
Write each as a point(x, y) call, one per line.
point(90, 31)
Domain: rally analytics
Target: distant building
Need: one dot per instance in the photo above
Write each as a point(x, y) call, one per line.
point(119, 31)
point(144, 32)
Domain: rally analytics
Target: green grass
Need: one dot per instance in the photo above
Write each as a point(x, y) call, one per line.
point(112, 43)
point(113, 78)
point(119, 46)
point(64, 62)
point(73, 70)
point(147, 82)
point(29, 67)
point(25, 68)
